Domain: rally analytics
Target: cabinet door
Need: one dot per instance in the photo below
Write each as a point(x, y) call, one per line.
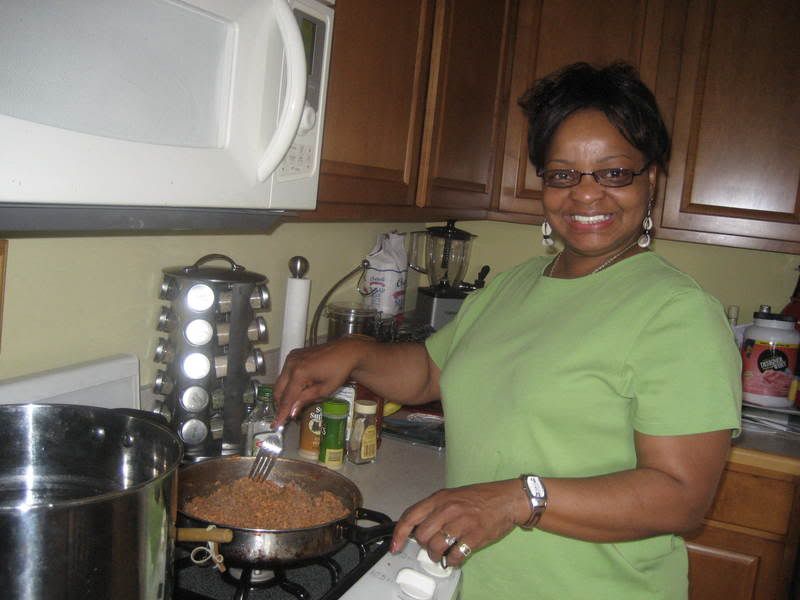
point(376, 96)
point(554, 33)
point(467, 102)
point(735, 165)
point(719, 574)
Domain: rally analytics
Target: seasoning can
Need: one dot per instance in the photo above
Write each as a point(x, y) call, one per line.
point(769, 359)
point(363, 445)
point(331, 442)
point(310, 428)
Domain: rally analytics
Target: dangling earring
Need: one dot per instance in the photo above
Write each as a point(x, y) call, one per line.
point(547, 240)
point(647, 225)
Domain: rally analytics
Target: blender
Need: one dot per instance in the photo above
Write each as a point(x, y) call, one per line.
point(445, 251)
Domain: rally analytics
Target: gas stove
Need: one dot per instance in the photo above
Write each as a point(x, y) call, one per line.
point(353, 573)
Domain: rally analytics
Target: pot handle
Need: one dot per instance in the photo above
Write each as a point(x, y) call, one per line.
point(199, 534)
point(208, 258)
point(154, 417)
point(365, 535)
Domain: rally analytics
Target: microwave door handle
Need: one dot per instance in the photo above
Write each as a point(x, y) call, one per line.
point(293, 104)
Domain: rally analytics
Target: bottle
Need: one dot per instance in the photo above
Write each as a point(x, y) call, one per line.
point(310, 427)
point(364, 393)
point(260, 420)
point(347, 393)
point(331, 441)
point(363, 445)
point(769, 359)
point(793, 308)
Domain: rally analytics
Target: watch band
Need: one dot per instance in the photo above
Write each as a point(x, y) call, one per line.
point(537, 496)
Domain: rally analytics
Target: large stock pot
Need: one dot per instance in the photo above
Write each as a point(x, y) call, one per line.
point(87, 503)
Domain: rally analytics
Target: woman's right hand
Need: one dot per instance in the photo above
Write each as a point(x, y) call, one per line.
point(317, 372)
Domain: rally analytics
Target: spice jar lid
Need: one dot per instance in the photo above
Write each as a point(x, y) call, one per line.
point(366, 407)
point(335, 408)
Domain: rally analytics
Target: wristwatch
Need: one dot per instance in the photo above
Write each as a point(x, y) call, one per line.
point(537, 496)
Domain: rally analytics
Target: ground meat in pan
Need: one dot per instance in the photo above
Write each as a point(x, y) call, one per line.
point(265, 505)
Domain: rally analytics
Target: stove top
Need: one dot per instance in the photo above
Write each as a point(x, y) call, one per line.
point(353, 573)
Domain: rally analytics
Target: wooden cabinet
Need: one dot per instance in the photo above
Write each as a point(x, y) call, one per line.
point(747, 547)
point(734, 175)
point(416, 109)
point(552, 34)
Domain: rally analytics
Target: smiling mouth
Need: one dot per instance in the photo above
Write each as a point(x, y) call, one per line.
point(590, 219)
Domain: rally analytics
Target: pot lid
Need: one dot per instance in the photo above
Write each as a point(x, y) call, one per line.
point(235, 273)
point(450, 231)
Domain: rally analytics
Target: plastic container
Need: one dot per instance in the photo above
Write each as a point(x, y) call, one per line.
point(331, 441)
point(363, 445)
point(769, 359)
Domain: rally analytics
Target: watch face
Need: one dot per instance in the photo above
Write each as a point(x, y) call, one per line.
point(535, 486)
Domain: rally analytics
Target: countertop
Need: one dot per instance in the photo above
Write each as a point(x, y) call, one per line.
point(403, 473)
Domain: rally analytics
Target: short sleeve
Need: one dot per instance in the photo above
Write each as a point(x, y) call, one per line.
point(685, 369)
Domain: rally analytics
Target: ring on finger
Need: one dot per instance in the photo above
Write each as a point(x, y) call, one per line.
point(464, 549)
point(449, 539)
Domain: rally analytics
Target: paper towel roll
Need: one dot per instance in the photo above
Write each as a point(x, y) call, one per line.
point(295, 314)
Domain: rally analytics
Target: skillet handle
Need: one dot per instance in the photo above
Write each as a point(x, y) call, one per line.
point(365, 535)
point(198, 534)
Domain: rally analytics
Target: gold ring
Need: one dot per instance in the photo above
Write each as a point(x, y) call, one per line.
point(464, 549)
point(449, 539)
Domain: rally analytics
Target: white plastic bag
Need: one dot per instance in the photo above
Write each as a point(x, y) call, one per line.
point(386, 275)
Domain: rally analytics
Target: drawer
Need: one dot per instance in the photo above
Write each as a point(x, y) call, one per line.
point(753, 501)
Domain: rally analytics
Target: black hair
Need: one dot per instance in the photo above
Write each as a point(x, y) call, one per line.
point(616, 90)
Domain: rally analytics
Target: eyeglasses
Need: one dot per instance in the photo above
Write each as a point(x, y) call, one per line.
point(614, 177)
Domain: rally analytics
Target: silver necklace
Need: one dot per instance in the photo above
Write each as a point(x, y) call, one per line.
point(605, 263)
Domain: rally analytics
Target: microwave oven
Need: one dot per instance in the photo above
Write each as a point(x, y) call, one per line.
point(160, 114)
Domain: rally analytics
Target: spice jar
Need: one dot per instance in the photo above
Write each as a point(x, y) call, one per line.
point(259, 422)
point(363, 445)
point(331, 441)
point(310, 427)
point(769, 359)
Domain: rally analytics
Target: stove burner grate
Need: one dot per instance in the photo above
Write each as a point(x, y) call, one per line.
point(324, 578)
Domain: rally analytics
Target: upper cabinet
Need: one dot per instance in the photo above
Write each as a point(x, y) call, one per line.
point(552, 34)
point(375, 108)
point(416, 108)
point(422, 120)
point(735, 167)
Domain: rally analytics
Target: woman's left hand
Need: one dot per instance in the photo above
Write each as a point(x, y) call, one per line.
point(458, 521)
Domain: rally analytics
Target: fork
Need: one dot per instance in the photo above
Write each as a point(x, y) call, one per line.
point(270, 448)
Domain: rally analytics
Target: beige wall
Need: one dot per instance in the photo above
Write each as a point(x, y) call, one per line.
point(74, 299)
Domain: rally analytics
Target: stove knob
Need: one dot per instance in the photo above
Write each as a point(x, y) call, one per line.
point(260, 297)
point(415, 584)
point(433, 568)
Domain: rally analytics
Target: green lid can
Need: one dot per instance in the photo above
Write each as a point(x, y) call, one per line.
point(332, 436)
point(335, 408)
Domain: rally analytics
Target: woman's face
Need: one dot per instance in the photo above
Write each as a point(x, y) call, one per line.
point(594, 221)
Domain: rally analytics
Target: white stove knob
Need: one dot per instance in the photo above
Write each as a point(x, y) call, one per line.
point(434, 568)
point(416, 585)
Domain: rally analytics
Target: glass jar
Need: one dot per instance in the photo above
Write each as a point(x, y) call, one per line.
point(363, 445)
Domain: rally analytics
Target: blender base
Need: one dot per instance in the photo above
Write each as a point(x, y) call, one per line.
point(436, 307)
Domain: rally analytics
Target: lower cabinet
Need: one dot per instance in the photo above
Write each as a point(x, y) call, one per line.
point(747, 546)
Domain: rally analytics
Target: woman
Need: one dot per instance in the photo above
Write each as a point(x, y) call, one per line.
point(591, 396)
